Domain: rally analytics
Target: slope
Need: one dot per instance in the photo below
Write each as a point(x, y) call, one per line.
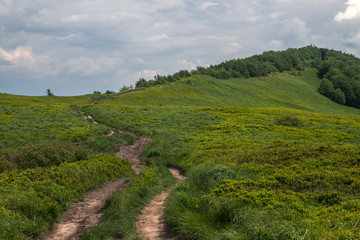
point(291, 89)
point(266, 158)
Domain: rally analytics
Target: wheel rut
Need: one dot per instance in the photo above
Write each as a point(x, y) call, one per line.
point(151, 224)
point(85, 214)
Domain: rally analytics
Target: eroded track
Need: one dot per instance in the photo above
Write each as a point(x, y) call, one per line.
point(84, 214)
point(151, 224)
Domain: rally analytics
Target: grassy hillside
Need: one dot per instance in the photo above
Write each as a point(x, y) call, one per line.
point(267, 158)
point(46, 163)
point(295, 89)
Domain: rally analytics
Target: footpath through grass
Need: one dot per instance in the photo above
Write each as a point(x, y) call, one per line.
point(266, 158)
point(46, 163)
point(284, 167)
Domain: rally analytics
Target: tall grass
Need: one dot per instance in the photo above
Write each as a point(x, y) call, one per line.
point(254, 173)
point(31, 199)
point(121, 211)
point(268, 158)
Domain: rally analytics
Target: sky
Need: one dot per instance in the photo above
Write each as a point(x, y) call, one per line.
point(78, 47)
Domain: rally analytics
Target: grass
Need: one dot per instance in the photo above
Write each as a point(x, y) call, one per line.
point(266, 158)
point(121, 211)
point(291, 155)
point(32, 199)
point(46, 163)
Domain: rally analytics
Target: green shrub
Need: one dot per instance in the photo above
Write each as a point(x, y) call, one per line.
point(290, 121)
point(204, 178)
point(43, 154)
point(32, 199)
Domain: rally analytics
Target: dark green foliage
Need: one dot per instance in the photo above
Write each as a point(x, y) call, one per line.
point(339, 96)
point(204, 178)
point(142, 83)
point(49, 93)
point(290, 121)
point(32, 199)
point(326, 88)
point(255, 66)
point(125, 89)
point(41, 155)
point(154, 153)
point(343, 72)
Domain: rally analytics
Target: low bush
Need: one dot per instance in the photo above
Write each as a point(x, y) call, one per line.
point(31, 199)
point(43, 154)
point(290, 121)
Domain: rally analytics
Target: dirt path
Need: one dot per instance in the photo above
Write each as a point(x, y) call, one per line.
point(89, 117)
point(151, 225)
point(83, 215)
point(131, 153)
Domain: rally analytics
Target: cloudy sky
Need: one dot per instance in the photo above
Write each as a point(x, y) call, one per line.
point(77, 47)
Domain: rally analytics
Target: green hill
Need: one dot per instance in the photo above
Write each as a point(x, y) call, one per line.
point(296, 89)
point(267, 157)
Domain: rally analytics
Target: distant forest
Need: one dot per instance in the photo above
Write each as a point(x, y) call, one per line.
point(340, 72)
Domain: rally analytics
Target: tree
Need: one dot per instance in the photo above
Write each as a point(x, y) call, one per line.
point(326, 88)
point(142, 83)
point(125, 88)
point(49, 93)
point(339, 96)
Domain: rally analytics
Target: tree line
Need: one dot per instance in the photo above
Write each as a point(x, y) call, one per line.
point(339, 71)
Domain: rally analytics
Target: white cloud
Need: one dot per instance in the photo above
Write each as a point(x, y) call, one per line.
point(23, 60)
point(158, 37)
point(21, 56)
point(76, 18)
point(187, 64)
point(351, 12)
point(206, 5)
point(137, 60)
point(147, 74)
point(276, 44)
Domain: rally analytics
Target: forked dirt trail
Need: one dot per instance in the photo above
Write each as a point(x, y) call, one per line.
point(83, 215)
point(151, 224)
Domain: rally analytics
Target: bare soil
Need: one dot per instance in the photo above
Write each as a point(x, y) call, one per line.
point(151, 224)
point(84, 214)
point(131, 153)
point(112, 132)
point(89, 117)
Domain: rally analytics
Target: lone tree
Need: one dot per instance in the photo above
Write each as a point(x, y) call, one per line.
point(49, 93)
